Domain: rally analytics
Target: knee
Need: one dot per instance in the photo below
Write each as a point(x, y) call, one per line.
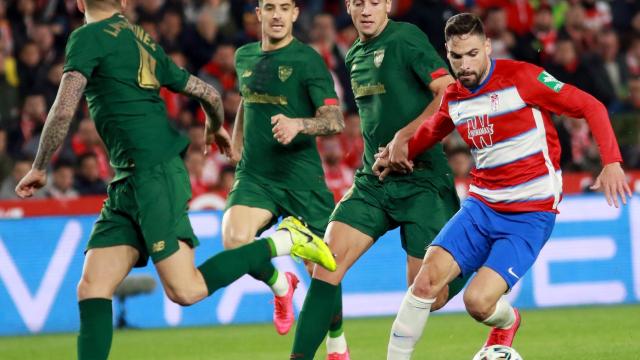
point(183, 295)
point(441, 299)
point(478, 305)
point(234, 238)
point(426, 287)
point(88, 289)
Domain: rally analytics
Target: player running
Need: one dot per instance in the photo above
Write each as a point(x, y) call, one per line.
point(398, 79)
point(120, 70)
point(288, 98)
point(502, 109)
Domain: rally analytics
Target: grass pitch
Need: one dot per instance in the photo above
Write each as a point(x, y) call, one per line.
point(602, 333)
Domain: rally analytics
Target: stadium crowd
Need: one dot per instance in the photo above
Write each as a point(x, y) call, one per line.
point(592, 44)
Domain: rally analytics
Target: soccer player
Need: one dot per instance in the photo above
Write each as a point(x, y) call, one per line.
point(397, 78)
point(502, 109)
point(120, 70)
point(288, 98)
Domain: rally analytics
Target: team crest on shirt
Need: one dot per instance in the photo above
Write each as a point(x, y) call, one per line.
point(495, 102)
point(378, 56)
point(480, 131)
point(284, 72)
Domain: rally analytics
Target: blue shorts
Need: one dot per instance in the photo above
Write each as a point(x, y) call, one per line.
point(508, 243)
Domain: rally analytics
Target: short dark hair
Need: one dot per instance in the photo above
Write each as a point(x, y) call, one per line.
point(261, 1)
point(463, 24)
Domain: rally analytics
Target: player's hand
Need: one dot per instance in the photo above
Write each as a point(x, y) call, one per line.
point(398, 150)
point(380, 167)
point(285, 129)
point(221, 138)
point(30, 183)
point(613, 182)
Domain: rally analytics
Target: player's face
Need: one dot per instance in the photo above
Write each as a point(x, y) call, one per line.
point(277, 18)
point(469, 58)
point(369, 16)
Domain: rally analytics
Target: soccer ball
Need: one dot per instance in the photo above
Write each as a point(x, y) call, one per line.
point(497, 352)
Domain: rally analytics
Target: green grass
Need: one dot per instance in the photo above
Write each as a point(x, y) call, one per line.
point(602, 333)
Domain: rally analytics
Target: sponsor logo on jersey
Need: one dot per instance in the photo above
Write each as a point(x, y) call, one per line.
point(284, 72)
point(549, 81)
point(378, 56)
point(480, 131)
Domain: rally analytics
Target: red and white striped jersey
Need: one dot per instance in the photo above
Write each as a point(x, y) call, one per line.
point(506, 121)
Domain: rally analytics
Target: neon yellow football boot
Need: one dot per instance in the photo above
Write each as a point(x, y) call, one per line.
point(307, 245)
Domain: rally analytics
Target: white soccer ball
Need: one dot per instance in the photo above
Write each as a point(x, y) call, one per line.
point(497, 352)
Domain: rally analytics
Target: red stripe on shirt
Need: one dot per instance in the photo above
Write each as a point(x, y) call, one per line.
point(331, 102)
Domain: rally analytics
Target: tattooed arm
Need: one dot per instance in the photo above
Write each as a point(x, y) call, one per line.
point(328, 121)
point(211, 103)
point(55, 130)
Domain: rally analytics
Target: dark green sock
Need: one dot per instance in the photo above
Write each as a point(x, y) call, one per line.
point(230, 265)
point(265, 273)
point(335, 328)
point(96, 329)
point(314, 319)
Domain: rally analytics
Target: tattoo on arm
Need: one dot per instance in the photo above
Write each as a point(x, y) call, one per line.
point(59, 118)
point(328, 121)
point(209, 99)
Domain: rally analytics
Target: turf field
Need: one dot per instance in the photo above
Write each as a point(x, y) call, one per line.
point(602, 333)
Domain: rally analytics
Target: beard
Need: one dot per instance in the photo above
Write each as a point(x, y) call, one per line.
point(469, 79)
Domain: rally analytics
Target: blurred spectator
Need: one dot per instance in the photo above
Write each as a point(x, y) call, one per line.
point(6, 163)
point(220, 72)
point(86, 140)
point(26, 137)
point(230, 102)
point(632, 59)
point(519, 13)
point(60, 185)
point(352, 142)
point(22, 14)
point(21, 167)
point(8, 88)
point(252, 31)
point(88, 181)
point(626, 124)
point(30, 68)
point(52, 82)
point(502, 40)
point(538, 45)
point(200, 43)
point(151, 28)
point(338, 176)
point(576, 30)
point(44, 40)
point(150, 10)
point(6, 40)
point(194, 162)
point(170, 30)
point(597, 14)
point(323, 40)
point(613, 62)
point(227, 179)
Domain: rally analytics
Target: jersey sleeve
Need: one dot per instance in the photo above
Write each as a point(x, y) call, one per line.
point(541, 89)
point(319, 83)
point(83, 52)
point(171, 75)
point(422, 58)
point(432, 130)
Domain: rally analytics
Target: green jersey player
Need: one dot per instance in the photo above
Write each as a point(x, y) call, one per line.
point(288, 98)
point(120, 70)
point(398, 80)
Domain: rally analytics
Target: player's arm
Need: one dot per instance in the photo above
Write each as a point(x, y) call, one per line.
point(546, 92)
point(328, 120)
point(397, 147)
point(429, 133)
point(237, 138)
point(55, 130)
point(211, 103)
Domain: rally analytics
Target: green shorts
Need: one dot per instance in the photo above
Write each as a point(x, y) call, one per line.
point(312, 206)
point(419, 207)
point(148, 211)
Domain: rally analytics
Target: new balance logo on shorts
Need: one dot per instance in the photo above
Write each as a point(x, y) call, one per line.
point(157, 246)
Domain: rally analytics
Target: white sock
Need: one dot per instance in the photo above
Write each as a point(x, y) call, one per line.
point(281, 286)
point(337, 344)
point(282, 240)
point(408, 326)
point(503, 317)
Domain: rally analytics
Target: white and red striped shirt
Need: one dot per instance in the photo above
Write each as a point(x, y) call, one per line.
point(506, 122)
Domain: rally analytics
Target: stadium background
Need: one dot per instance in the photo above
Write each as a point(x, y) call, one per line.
point(592, 258)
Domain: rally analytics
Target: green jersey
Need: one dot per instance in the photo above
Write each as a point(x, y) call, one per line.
point(390, 76)
point(293, 81)
point(125, 70)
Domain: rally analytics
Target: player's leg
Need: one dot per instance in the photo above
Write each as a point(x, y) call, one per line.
point(252, 208)
point(519, 237)
point(457, 251)
point(315, 207)
point(347, 244)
